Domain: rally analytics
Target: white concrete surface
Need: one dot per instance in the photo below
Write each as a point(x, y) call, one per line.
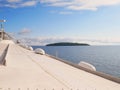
point(25, 69)
point(7, 42)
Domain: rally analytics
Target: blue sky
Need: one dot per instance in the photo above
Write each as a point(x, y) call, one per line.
point(89, 21)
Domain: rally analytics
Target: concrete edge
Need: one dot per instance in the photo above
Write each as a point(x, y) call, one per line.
point(2, 57)
point(103, 75)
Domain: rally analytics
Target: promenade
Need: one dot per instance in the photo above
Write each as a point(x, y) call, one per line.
point(26, 70)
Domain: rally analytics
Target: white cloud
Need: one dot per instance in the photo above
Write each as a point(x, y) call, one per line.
point(24, 31)
point(13, 1)
point(61, 12)
point(80, 4)
point(47, 40)
point(29, 3)
point(18, 3)
point(65, 12)
point(67, 4)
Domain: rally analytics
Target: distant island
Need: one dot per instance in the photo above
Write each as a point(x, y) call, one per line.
point(67, 44)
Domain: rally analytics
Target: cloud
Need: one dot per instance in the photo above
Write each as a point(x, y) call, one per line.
point(18, 3)
point(47, 40)
point(29, 3)
point(61, 12)
point(66, 4)
point(24, 31)
point(80, 4)
point(13, 1)
point(65, 12)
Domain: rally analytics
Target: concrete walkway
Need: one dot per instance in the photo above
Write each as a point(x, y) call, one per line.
point(25, 69)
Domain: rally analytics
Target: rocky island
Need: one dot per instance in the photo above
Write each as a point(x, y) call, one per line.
point(67, 44)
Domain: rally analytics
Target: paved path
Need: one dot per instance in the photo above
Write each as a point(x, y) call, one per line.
point(25, 69)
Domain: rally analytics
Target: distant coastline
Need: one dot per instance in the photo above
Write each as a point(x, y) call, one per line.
point(67, 44)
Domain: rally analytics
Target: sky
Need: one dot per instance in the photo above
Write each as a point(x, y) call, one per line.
point(39, 22)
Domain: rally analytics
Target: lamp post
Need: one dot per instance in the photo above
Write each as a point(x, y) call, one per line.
point(2, 29)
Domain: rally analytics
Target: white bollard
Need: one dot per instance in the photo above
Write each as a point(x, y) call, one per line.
point(87, 65)
point(39, 51)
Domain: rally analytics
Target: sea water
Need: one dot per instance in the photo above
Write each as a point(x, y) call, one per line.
point(106, 59)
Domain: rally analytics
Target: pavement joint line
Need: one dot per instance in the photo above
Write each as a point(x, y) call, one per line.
point(46, 71)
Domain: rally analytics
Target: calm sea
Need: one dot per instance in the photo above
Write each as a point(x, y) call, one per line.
point(105, 58)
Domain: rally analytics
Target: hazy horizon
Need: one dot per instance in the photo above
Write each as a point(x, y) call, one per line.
point(49, 21)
